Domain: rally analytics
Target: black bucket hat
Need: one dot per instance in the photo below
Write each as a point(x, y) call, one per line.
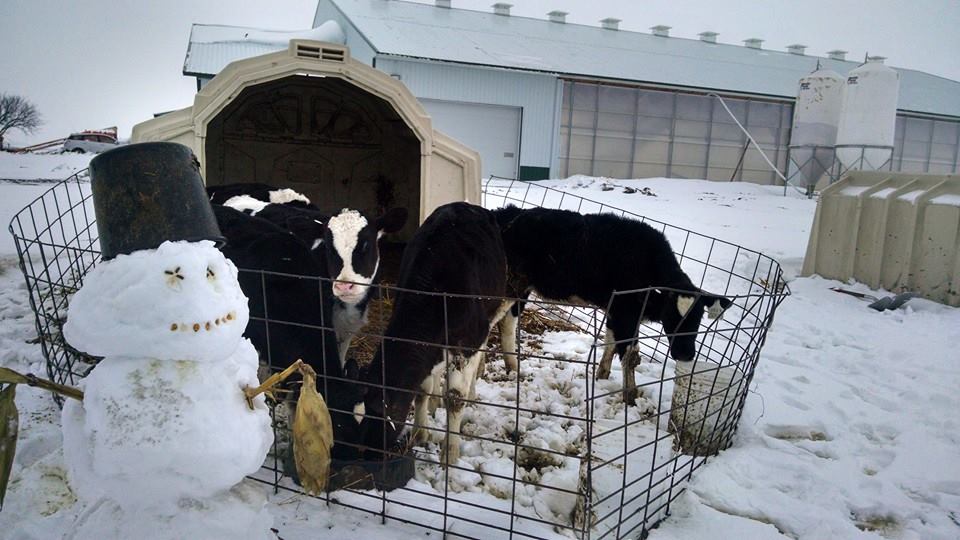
point(147, 193)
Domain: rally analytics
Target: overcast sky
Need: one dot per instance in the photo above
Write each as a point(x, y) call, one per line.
point(97, 63)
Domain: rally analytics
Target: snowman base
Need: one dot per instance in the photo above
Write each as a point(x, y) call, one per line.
point(239, 513)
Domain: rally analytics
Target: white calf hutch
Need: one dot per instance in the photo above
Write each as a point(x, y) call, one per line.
point(313, 119)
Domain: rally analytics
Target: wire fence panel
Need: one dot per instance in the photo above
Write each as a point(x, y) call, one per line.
point(549, 451)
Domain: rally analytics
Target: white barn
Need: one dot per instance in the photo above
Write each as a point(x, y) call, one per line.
point(541, 98)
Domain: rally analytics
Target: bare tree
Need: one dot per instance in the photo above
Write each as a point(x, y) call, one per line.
point(17, 113)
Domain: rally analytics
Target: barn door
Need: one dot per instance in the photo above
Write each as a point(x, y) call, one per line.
point(491, 130)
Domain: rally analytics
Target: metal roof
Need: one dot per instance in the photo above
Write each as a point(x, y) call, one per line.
point(214, 46)
point(416, 30)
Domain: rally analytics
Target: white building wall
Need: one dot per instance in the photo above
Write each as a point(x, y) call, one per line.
point(360, 48)
point(537, 94)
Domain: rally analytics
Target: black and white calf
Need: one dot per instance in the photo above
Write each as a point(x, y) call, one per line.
point(457, 250)
point(347, 243)
point(352, 252)
point(563, 255)
point(299, 311)
point(254, 196)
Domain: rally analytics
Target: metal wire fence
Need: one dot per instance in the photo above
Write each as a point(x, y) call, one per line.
point(549, 451)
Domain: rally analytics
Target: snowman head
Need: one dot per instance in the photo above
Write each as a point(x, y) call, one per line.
point(180, 301)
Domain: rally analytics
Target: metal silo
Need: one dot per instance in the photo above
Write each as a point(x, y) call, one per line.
point(868, 116)
point(816, 117)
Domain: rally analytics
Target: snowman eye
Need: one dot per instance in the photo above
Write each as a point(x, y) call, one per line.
point(211, 276)
point(174, 277)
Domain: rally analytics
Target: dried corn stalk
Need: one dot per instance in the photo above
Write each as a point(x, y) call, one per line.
point(9, 423)
point(312, 435)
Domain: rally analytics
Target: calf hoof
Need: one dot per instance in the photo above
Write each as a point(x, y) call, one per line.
point(421, 436)
point(449, 455)
point(630, 395)
point(603, 372)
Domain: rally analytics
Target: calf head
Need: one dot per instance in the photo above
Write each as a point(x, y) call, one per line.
point(352, 252)
point(680, 314)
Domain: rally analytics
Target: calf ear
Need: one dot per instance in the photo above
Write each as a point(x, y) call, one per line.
point(716, 305)
point(392, 221)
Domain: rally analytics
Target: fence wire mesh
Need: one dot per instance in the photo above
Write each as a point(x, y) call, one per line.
point(549, 451)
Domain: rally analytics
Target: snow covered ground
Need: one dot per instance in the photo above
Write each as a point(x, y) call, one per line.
point(44, 167)
point(851, 429)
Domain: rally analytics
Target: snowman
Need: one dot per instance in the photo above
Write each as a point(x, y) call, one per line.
point(164, 435)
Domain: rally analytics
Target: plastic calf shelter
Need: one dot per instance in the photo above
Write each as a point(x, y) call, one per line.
point(898, 231)
point(314, 119)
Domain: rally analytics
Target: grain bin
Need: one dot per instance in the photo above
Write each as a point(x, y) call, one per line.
point(816, 117)
point(868, 117)
point(898, 231)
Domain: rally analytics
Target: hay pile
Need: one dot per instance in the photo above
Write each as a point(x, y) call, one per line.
point(533, 321)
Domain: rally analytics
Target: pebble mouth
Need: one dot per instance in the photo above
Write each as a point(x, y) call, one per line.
point(206, 325)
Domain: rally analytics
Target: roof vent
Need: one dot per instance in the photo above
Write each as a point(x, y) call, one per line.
point(501, 8)
point(308, 49)
point(610, 23)
point(557, 16)
point(443, 3)
point(709, 37)
point(752, 43)
point(796, 48)
point(661, 30)
point(837, 54)
point(875, 59)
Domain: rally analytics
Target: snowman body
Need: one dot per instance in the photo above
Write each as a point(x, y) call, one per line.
point(164, 432)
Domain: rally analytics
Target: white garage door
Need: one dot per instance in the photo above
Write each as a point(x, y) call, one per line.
point(491, 130)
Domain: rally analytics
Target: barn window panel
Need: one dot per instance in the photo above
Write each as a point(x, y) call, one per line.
point(691, 107)
point(686, 171)
point(737, 106)
point(655, 103)
point(942, 153)
point(764, 114)
point(689, 154)
point(585, 96)
point(611, 169)
point(583, 119)
point(692, 130)
point(581, 146)
point(727, 132)
point(615, 123)
point(649, 170)
point(655, 152)
point(945, 132)
point(616, 99)
point(637, 132)
point(579, 166)
point(759, 176)
point(613, 148)
point(650, 125)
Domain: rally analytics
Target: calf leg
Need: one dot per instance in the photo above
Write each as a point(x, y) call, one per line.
point(629, 361)
point(603, 371)
point(624, 324)
point(461, 370)
point(508, 335)
point(422, 405)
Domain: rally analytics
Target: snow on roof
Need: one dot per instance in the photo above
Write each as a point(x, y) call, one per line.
point(417, 30)
point(474, 37)
point(212, 47)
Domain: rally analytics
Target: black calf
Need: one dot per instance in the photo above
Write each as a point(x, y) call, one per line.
point(564, 255)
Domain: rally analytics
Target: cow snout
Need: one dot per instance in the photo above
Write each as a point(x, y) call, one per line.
point(341, 287)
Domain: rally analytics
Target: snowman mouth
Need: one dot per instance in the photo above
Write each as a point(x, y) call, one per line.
point(206, 326)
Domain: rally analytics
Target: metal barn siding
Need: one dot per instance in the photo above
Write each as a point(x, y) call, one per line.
point(535, 94)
